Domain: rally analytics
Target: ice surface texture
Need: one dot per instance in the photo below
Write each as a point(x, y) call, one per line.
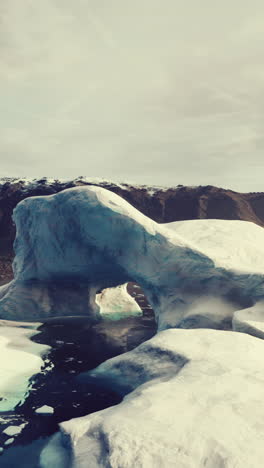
point(71, 245)
point(197, 403)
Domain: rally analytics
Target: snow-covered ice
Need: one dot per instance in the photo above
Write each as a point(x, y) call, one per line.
point(21, 358)
point(197, 402)
point(71, 245)
point(193, 397)
point(237, 245)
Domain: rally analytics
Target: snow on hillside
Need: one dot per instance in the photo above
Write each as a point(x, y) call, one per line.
point(30, 183)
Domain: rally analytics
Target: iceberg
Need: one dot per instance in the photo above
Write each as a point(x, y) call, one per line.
point(192, 398)
point(72, 245)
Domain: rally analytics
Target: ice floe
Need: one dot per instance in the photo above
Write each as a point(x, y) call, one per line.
point(196, 400)
point(21, 358)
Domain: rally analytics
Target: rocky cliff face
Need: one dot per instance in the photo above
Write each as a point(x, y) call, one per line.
point(164, 205)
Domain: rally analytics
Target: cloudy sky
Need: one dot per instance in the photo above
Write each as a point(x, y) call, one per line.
point(153, 91)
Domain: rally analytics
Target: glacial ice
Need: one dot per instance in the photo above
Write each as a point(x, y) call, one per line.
point(232, 244)
point(115, 303)
point(193, 398)
point(72, 245)
point(21, 358)
point(196, 401)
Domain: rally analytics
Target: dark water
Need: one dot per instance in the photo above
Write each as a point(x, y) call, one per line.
point(76, 346)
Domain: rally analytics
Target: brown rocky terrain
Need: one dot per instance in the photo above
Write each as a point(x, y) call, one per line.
point(161, 204)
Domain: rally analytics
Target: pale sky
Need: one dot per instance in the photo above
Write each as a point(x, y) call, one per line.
point(160, 92)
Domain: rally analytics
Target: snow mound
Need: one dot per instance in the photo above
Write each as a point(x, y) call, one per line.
point(188, 385)
point(72, 245)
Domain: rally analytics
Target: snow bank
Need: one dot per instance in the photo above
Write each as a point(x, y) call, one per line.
point(20, 360)
point(197, 402)
point(115, 303)
point(71, 245)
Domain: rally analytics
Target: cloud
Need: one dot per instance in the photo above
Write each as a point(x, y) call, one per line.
point(155, 91)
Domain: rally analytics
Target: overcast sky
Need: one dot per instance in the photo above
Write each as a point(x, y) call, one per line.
point(153, 91)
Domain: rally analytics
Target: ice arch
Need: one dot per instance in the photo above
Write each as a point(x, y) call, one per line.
point(71, 245)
